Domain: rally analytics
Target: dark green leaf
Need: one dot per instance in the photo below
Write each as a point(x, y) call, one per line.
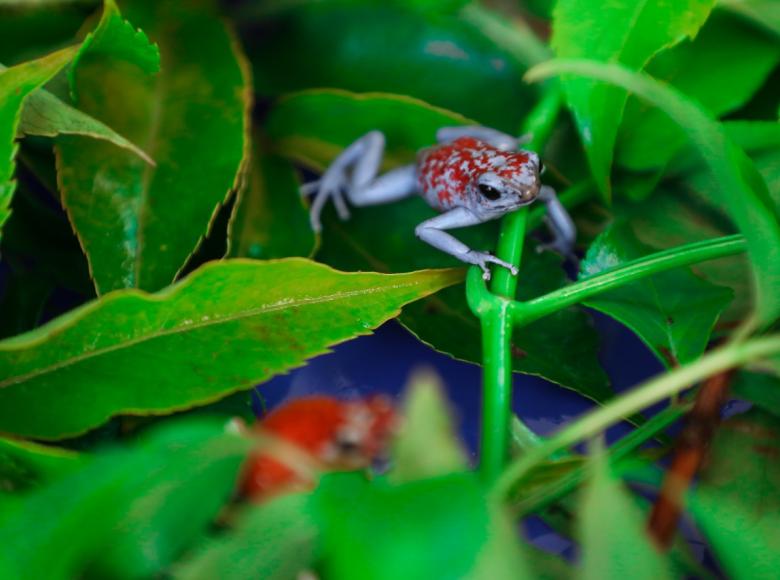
point(740, 188)
point(427, 445)
point(275, 541)
point(434, 528)
point(313, 127)
point(761, 389)
point(612, 531)
point(736, 504)
point(742, 56)
point(226, 327)
point(269, 219)
point(626, 32)
point(561, 348)
point(16, 83)
point(126, 513)
point(139, 224)
point(672, 312)
point(765, 13)
point(379, 46)
point(24, 464)
point(34, 30)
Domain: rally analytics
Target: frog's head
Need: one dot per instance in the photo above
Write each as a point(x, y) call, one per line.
point(512, 182)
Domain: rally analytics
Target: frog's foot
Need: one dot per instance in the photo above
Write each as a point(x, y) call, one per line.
point(332, 185)
point(482, 259)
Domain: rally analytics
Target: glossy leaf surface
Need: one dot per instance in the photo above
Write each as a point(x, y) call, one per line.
point(672, 312)
point(274, 541)
point(740, 189)
point(736, 503)
point(427, 445)
point(269, 219)
point(743, 57)
point(139, 224)
point(143, 505)
point(24, 464)
point(625, 32)
point(432, 528)
point(381, 46)
point(227, 327)
point(16, 83)
point(313, 127)
point(612, 531)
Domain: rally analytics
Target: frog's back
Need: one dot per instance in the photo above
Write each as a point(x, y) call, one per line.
point(445, 172)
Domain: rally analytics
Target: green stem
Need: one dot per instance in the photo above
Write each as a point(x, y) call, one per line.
point(651, 392)
point(497, 322)
point(557, 488)
point(526, 312)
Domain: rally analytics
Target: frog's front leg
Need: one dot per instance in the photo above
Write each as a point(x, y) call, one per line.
point(354, 173)
point(559, 222)
point(432, 232)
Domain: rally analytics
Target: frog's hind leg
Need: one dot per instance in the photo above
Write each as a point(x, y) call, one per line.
point(355, 173)
point(490, 136)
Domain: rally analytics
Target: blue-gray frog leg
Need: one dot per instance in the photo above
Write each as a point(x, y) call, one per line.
point(355, 173)
point(559, 222)
point(432, 232)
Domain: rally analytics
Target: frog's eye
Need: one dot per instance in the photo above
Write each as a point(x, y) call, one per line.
point(489, 191)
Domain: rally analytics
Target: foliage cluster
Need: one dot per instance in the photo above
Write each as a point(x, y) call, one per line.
point(157, 263)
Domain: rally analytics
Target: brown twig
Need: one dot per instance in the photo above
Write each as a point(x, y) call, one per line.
point(689, 454)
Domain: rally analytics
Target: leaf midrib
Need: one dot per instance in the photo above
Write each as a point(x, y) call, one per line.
point(183, 329)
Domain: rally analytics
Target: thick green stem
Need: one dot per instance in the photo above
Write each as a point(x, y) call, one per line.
point(656, 390)
point(526, 312)
point(497, 322)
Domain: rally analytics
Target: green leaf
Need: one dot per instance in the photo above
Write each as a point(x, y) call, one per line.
point(26, 34)
point(432, 528)
point(439, 58)
point(24, 464)
point(16, 83)
point(626, 32)
point(143, 507)
point(310, 128)
point(228, 326)
point(743, 57)
point(274, 541)
point(138, 224)
point(740, 188)
point(427, 445)
point(765, 13)
point(759, 388)
point(736, 504)
point(47, 116)
point(673, 312)
point(269, 219)
point(562, 348)
point(612, 531)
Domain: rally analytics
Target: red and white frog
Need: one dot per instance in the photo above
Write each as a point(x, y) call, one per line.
point(474, 174)
point(334, 435)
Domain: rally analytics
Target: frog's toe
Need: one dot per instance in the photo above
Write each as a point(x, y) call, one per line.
point(309, 188)
point(341, 206)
